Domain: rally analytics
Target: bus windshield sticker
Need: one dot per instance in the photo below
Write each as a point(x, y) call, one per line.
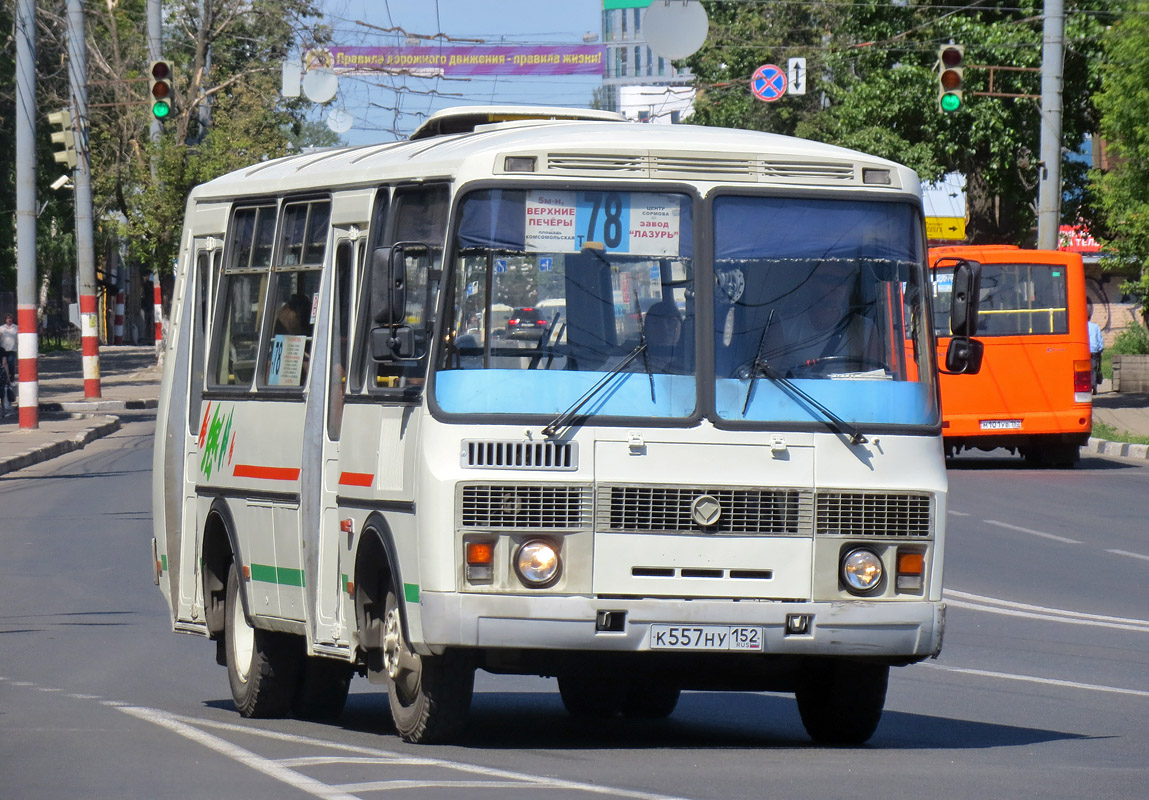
point(621, 222)
point(943, 283)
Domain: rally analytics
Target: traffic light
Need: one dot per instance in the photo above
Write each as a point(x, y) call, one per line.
point(65, 136)
point(160, 73)
point(950, 77)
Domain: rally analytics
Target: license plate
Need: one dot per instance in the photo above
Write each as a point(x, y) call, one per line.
point(705, 637)
point(1000, 424)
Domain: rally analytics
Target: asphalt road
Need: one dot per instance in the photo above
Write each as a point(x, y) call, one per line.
point(1042, 689)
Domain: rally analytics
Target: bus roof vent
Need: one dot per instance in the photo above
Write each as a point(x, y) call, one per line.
point(807, 171)
point(727, 168)
point(486, 454)
point(597, 164)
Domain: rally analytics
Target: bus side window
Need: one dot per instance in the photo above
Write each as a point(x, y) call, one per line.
point(241, 297)
point(206, 274)
point(340, 326)
point(297, 272)
point(362, 363)
point(419, 215)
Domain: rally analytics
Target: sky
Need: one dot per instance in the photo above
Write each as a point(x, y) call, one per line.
point(386, 108)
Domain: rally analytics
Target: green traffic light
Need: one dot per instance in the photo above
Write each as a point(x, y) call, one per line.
point(950, 102)
point(160, 109)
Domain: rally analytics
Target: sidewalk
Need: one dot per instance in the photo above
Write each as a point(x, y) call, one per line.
point(130, 380)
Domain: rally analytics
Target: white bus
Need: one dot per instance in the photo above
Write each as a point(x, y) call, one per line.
point(718, 466)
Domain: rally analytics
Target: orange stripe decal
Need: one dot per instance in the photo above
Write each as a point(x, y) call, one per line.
point(266, 473)
point(364, 479)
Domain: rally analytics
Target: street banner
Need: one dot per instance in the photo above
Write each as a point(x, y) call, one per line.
point(470, 60)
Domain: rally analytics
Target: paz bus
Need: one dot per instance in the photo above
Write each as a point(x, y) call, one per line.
point(1034, 394)
point(358, 472)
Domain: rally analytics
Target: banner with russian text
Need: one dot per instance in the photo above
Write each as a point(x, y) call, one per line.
point(455, 60)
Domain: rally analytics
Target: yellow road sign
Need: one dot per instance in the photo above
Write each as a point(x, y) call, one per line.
point(949, 228)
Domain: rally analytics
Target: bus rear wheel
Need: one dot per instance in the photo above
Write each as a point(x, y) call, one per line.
point(429, 696)
point(262, 666)
point(841, 701)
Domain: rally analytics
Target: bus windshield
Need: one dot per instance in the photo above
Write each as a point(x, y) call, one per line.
point(1016, 300)
point(819, 309)
point(553, 289)
point(828, 295)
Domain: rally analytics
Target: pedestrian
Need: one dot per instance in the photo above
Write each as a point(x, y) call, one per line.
point(1096, 346)
point(8, 376)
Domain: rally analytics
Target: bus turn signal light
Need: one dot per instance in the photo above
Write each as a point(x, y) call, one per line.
point(480, 557)
point(911, 570)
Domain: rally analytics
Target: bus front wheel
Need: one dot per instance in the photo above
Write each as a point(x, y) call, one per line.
point(429, 696)
point(841, 701)
point(262, 666)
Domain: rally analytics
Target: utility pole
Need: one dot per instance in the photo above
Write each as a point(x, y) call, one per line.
point(1049, 187)
point(28, 336)
point(82, 178)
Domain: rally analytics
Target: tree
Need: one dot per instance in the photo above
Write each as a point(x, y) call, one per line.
point(1122, 192)
point(872, 87)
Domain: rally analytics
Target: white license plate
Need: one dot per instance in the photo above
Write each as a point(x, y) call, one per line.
point(1000, 424)
point(705, 637)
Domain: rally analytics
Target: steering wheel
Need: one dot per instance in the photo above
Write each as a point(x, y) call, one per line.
point(824, 364)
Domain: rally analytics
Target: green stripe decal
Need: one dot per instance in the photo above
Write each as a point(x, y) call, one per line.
point(411, 592)
point(164, 562)
point(265, 573)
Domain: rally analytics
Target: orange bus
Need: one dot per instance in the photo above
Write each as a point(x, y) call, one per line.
point(1033, 395)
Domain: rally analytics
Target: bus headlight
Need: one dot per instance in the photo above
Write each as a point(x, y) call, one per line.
point(537, 563)
point(861, 570)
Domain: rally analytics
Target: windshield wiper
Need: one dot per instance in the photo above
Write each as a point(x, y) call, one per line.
point(563, 420)
point(761, 366)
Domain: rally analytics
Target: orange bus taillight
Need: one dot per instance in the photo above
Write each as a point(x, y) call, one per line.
point(1083, 376)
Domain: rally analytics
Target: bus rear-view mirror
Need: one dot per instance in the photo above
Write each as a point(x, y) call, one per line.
point(963, 356)
point(964, 302)
point(392, 344)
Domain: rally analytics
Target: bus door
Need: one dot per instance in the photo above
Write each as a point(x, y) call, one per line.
point(323, 571)
point(381, 411)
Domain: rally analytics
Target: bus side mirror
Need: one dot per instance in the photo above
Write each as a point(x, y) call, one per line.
point(389, 265)
point(392, 344)
point(965, 298)
point(963, 356)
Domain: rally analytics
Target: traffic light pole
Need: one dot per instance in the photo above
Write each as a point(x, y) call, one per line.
point(1049, 188)
point(28, 336)
point(85, 249)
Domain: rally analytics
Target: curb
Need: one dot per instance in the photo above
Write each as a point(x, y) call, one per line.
point(1104, 447)
point(46, 452)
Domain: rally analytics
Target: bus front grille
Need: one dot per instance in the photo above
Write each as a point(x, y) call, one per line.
point(484, 454)
point(671, 509)
point(873, 514)
point(519, 506)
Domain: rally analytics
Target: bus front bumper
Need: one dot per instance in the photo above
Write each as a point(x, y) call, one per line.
point(894, 629)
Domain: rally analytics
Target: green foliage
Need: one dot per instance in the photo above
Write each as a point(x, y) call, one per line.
point(1123, 191)
point(873, 87)
point(1133, 340)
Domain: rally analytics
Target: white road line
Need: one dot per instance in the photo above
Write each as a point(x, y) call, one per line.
point(382, 786)
point(1093, 687)
point(1005, 612)
point(956, 513)
point(975, 599)
point(1032, 532)
point(1127, 553)
point(246, 757)
point(190, 727)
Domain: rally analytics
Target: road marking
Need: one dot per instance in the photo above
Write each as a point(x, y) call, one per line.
point(957, 513)
point(1032, 532)
point(1127, 553)
point(1008, 676)
point(993, 605)
point(280, 769)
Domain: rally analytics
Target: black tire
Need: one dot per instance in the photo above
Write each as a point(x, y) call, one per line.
point(650, 698)
point(592, 695)
point(841, 701)
point(429, 696)
point(262, 667)
point(323, 688)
